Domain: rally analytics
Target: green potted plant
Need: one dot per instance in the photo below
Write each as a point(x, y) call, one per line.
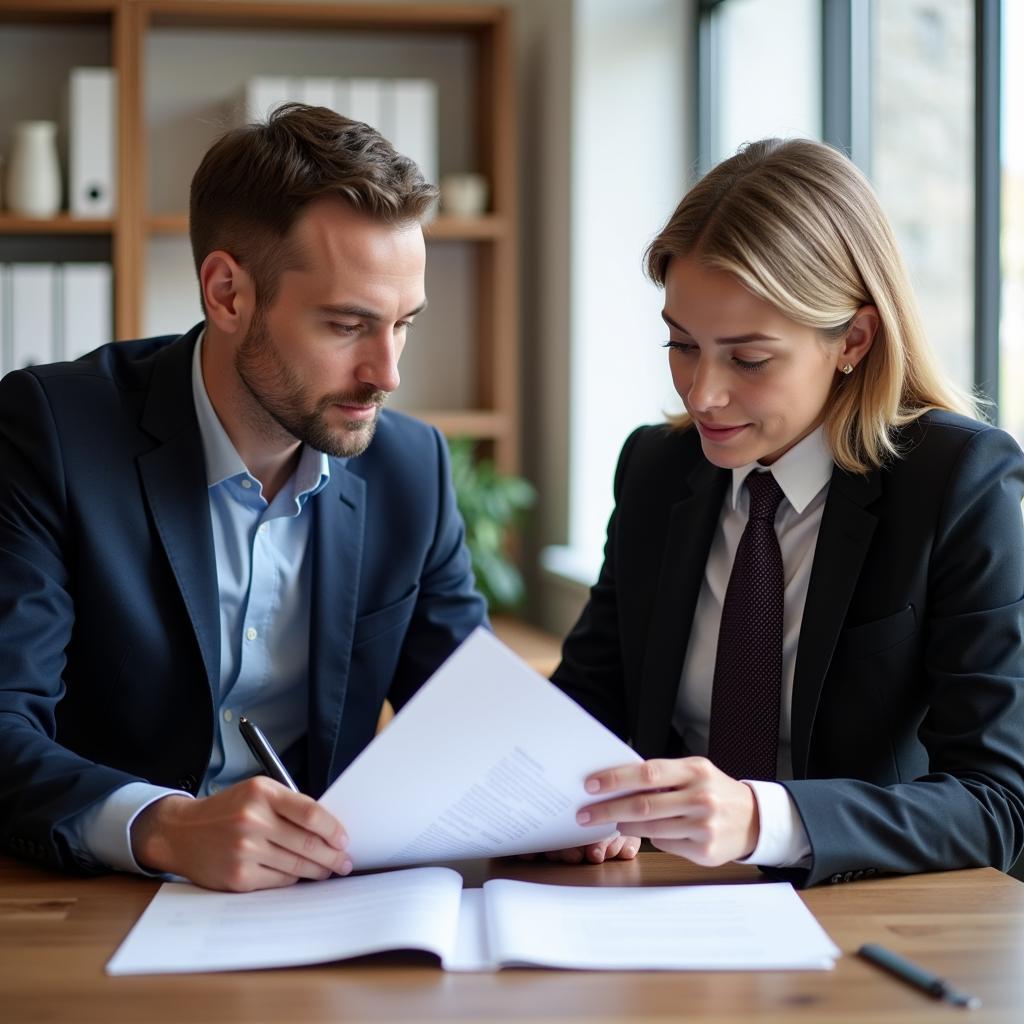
point(490, 503)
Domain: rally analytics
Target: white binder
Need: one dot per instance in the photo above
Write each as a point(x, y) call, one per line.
point(86, 307)
point(342, 97)
point(92, 142)
point(371, 100)
point(32, 314)
point(265, 93)
point(415, 123)
point(316, 90)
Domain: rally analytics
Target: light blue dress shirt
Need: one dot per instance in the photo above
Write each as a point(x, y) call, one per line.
point(264, 580)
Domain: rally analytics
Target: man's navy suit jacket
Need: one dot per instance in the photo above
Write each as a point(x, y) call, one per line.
point(109, 619)
point(908, 692)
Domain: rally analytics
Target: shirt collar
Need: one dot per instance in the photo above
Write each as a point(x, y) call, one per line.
point(222, 459)
point(801, 473)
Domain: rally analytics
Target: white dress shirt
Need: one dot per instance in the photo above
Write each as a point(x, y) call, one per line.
point(803, 474)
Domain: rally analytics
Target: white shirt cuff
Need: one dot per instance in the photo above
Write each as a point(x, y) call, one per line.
point(782, 842)
point(105, 829)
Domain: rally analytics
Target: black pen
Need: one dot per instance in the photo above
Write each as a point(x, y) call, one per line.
point(264, 753)
point(909, 972)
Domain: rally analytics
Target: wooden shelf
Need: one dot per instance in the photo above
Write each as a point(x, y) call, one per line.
point(479, 424)
point(62, 224)
point(475, 43)
point(372, 17)
point(63, 12)
point(487, 226)
point(441, 228)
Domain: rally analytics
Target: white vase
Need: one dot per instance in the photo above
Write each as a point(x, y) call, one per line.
point(33, 174)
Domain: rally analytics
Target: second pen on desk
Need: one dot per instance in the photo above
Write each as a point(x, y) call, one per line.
point(264, 753)
point(912, 974)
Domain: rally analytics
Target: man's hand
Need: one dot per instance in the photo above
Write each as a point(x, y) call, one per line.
point(617, 847)
point(684, 806)
point(254, 835)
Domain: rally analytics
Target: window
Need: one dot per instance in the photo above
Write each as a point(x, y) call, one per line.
point(922, 161)
point(904, 86)
point(1011, 328)
point(761, 73)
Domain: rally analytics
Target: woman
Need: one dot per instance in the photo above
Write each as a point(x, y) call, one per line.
point(861, 708)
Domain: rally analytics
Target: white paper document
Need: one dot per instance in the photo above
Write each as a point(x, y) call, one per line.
point(760, 926)
point(487, 759)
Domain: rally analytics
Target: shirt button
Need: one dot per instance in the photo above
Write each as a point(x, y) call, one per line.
point(228, 715)
point(246, 482)
point(251, 634)
point(264, 527)
point(214, 788)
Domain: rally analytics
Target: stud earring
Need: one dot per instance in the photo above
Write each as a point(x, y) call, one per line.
point(848, 369)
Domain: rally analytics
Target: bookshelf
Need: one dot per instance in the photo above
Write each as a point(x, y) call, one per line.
point(177, 62)
point(11, 224)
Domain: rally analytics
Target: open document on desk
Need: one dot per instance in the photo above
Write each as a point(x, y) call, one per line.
point(488, 759)
point(754, 926)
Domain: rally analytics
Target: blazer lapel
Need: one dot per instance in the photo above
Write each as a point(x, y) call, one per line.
point(691, 528)
point(174, 482)
point(337, 556)
point(843, 540)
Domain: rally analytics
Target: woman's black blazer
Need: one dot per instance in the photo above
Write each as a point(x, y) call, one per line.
point(908, 695)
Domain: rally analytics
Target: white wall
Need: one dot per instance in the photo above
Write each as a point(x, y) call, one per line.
point(631, 164)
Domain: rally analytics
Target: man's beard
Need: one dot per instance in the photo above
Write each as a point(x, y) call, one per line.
point(280, 394)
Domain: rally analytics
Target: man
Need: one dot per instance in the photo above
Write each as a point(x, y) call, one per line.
point(226, 523)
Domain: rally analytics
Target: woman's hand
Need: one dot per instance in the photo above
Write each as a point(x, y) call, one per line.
point(684, 806)
point(618, 847)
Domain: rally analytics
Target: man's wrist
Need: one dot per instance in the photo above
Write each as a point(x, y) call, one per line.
point(150, 845)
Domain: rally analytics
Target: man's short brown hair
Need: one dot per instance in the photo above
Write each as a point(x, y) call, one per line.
point(255, 181)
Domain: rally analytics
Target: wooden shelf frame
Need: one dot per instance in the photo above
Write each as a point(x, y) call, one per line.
point(442, 228)
point(58, 12)
point(354, 17)
point(495, 418)
point(478, 424)
point(62, 224)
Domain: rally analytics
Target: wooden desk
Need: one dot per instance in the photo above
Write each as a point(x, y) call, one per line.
point(57, 933)
point(540, 650)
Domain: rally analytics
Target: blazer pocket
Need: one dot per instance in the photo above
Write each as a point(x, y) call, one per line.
point(384, 620)
point(878, 635)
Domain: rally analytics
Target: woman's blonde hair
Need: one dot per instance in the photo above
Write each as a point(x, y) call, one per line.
point(798, 225)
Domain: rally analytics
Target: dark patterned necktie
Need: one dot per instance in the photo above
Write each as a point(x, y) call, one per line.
point(743, 738)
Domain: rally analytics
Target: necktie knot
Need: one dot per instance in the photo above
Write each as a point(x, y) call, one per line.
point(765, 495)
